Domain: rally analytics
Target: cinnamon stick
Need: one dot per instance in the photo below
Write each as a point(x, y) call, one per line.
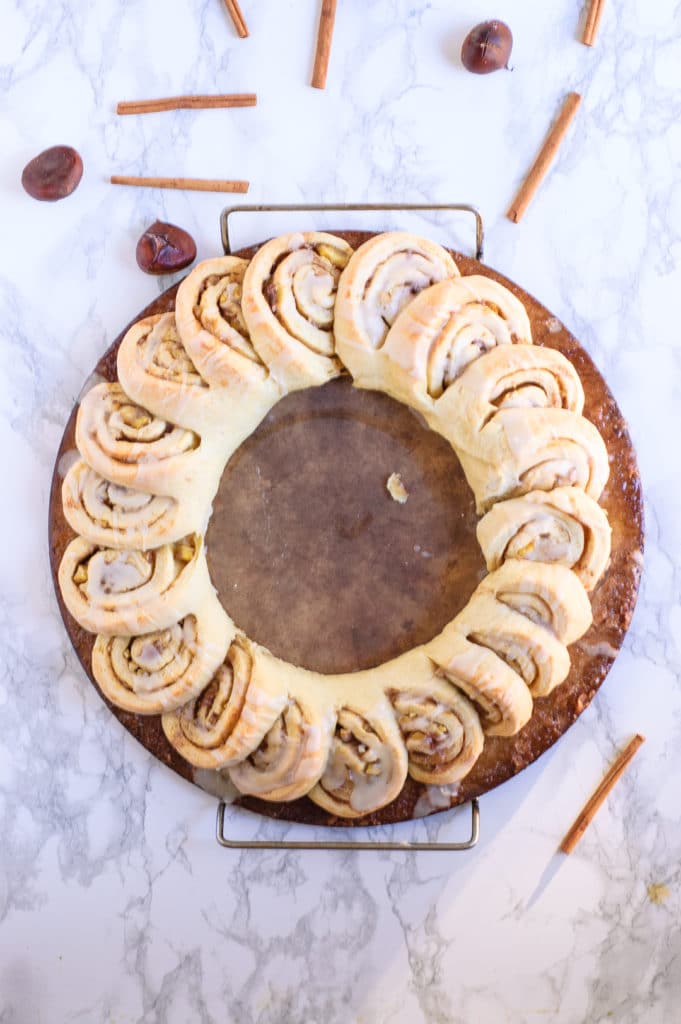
point(324, 37)
point(237, 17)
point(192, 184)
point(243, 99)
point(545, 158)
point(593, 20)
point(588, 813)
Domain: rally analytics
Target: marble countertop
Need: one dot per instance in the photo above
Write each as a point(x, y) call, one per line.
point(116, 903)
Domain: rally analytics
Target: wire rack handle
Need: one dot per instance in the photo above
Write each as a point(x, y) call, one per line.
point(350, 844)
point(354, 207)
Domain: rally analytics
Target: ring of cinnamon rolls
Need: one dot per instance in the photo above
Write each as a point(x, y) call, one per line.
point(397, 316)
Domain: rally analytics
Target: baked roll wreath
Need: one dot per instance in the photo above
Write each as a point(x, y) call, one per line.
point(397, 315)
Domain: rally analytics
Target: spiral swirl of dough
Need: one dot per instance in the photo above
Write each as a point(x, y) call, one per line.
point(289, 298)
point(128, 445)
point(441, 730)
point(160, 671)
point(531, 650)
point(507, 377)
point(291, 756)
point(564, 525)
point(112, 516)
point(443, 330)
point(382, 277)
point(499, 693)
point(155, 371)
point(118, 592)
point(550, 595)
point(201, 731)
point(211, 324)
point(367, 765)
point(523, 450)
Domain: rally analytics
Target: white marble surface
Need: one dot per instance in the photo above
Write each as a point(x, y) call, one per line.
point(115, 902)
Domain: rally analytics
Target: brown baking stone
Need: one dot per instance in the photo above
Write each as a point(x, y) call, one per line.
point(313, 559)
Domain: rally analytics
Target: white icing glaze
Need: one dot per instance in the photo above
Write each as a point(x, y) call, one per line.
point(435, 798)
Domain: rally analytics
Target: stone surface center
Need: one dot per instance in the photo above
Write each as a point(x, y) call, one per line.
point(309, 553)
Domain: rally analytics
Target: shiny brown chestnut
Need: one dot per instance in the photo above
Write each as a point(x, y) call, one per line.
point(165, 248)
point(487, 48)
point(53, 174)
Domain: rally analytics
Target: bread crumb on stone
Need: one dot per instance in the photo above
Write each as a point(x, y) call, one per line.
point(396, 489)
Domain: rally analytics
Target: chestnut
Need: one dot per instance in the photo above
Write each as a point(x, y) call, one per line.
point(165, 248)
point(53, 174)
point(487, 48)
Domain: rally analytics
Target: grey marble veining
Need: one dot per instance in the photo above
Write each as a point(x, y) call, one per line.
point(116, 904)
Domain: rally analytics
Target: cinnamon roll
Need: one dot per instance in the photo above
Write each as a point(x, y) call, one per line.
point(235, 711)
point(530, 649)
point(211, 324)
point(523, 450)
point(367, 764)
point(132, 592)
point(446, 328)
point(112, 516)
point(441, 730)
point(291, 756)
point(499, 693)
point(156, 371)
point(130, 446)
point(159, 671)
point(550, 595)
point(564, 525)
point(382, 277)
point(289, 297)
point(508, 377)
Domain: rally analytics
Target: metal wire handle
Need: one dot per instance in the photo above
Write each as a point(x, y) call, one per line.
point(351, 207)
point(350, 844)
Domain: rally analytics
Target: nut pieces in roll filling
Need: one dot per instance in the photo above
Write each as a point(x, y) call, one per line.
point(129, 592)
point(441, 730)
point(194, 383)
point(211, 324)
point(130, 446)
point(367, 765)
point(202, 730)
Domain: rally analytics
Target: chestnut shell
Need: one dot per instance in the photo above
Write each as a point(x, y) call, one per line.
point(53, 174)
point(165, 248)
point(487, 48)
